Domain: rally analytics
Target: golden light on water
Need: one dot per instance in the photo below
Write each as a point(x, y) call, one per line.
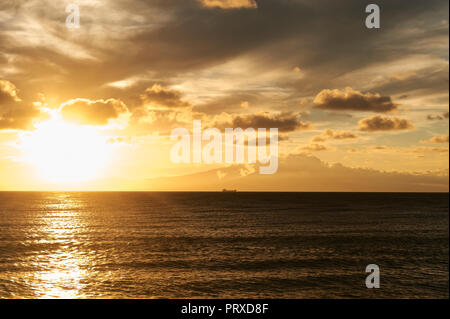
point(62, 271)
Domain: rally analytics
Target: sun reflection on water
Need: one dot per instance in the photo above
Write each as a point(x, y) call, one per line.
point(63, 266)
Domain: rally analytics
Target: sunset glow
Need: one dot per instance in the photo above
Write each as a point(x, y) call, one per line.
point(248, 150)
point(359, 105)
point(65, 153)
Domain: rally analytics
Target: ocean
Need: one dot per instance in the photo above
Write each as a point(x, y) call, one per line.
point(222, 245)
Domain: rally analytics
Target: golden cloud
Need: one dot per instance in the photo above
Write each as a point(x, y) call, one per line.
point(8, 92)
point(164, 98)
point(353, 100)
point(87, 112)
point(433, 117)
point(284, 122)
point(229, 4)
point(442, 139)
point(332, 134)
point(314, 148)
point(14, 113)
point(380, 123)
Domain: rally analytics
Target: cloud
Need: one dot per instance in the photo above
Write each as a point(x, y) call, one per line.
point(162, 97)
point(377, 147)
point(432, 117)
point(14, 113)
point(422, 150)
point(284, 122)
point(146, 121)
point(442, 139)
point(264, 140)
point(87, 112)
point(421, 79)
point(402, 76)
point(233, 102)
point(380, 123)
point(352, 100)
point(427, 150)
point(314, 148)
point(182, 38)
point(332, 134)
point(229, 4)
point(8, 93)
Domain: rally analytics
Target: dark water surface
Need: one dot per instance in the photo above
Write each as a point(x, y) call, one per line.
point(188, 245)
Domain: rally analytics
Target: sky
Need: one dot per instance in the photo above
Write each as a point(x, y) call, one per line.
point(93, 108)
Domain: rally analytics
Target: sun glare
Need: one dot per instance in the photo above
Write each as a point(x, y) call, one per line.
point(64, 153)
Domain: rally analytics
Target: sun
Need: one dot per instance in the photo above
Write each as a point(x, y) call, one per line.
point(64, 153)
